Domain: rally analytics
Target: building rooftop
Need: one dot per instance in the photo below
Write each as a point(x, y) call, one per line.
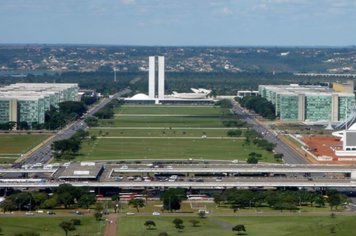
point(295, 89)
point(82, 170)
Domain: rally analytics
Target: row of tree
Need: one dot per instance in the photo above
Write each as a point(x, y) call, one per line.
point(66, 112)
point(259, 105)
point(107, 112)
point(256, 138)
point(65, 195)
point(67, 149)
point(279, 199)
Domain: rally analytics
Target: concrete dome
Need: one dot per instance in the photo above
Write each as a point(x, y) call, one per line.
point(140, 96)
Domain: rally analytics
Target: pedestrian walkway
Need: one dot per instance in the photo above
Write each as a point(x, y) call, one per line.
point(111, 225)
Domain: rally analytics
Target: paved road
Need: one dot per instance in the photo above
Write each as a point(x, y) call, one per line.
point(243, 183)
point(44, 154)
point(290, 156)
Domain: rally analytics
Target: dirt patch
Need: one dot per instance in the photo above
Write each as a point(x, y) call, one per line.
point(111, 225)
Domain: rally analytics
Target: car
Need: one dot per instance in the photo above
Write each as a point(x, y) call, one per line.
point(130, 213)
point(156, 213)
point(29, 213)
point(124, 167)
point(235, 161)
point(51, 213)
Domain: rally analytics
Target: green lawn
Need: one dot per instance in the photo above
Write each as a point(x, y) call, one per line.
point(49, 225)
point(142, 148)
point(255, 226)
point(134, 226)
point(163, 121)
point(13, 145)
point(164, 132)
point(188, 110)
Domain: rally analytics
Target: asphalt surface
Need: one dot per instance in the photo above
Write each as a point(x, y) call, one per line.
point(43, 154)
point(289, 155)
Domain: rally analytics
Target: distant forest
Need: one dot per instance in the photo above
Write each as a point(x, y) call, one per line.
point(220, 82)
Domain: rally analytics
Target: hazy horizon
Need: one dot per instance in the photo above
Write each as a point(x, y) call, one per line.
point(216, 23)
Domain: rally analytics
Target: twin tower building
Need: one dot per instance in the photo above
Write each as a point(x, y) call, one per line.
point(152, 77)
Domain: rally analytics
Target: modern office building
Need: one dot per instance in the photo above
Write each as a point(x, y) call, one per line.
point(308, 102)
point(29, 101)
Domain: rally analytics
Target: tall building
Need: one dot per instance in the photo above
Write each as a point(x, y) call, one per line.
point(29, 101)
point(160, 77)
point(308, 103)
point(152, 77)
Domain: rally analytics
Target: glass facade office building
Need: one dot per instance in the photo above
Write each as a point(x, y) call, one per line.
point(29, 101)
point(308, 103)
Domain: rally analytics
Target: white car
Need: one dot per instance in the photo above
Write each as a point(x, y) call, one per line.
point(124, 167)
point(155, 213)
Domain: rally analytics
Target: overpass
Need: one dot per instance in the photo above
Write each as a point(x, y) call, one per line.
point(29, 171)
point(246, 183)
point(238, 168)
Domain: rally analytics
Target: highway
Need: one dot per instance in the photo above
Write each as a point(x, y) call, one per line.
point(43, 154)
point(237, 168)
point(243, 183)
point(289, 155)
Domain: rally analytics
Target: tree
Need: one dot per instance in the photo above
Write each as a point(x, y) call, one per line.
point(92, 121)
point(50, 203)
point(234, 133)
point(319, 200)
point(98, 216)
point(70, 107)
point(218, 198)
point(252, 160)
point(76, 221)
point(86, 200)
point(239, 229)
point(68, 194)
point(39, 198)
point(195, 223)
point(137, 203)
point(163, 234)
point(334, 199)
point(278, 157)
point(178, 224)
point(150, 224)
point(8, 205)
point(22, 200)
point(172, 198)
point(66, 199)
point(23, 125)
point(202, 214)
point(67, 226)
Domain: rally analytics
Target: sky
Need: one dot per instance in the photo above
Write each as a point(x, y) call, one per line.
point(180, 22)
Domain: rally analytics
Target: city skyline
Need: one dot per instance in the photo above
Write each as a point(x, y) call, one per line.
point(180, 23)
